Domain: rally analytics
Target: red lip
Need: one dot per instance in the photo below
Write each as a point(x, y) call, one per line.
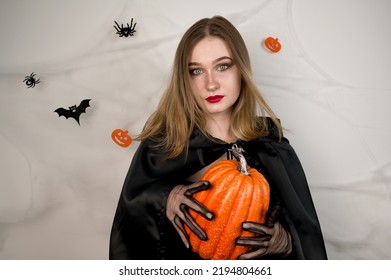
point(214, 98)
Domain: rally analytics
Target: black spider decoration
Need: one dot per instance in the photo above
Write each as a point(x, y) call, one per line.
point(31, 81)
point(125, 31)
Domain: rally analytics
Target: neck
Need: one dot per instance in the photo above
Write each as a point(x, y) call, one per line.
point(220, 128)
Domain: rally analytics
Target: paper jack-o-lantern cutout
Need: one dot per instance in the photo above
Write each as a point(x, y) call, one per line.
point(272, 44)
point(121, 137)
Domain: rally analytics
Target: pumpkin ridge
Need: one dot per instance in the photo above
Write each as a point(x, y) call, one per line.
point(225, 211)
point(239, 211)
point(253, 216)
point(207, 198)
point(211, 176)
point(214, 189)
point(219, 165)
point(214, 228)
point(259, 204)
point(264, 194)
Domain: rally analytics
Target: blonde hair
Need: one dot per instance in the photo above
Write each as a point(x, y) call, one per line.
point(178, 114)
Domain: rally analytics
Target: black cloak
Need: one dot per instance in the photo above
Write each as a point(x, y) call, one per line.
point(142, 231)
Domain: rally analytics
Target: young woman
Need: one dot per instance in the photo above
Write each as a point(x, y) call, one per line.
point(210, 104)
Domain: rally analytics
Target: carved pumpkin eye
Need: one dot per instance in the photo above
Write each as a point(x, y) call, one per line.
point(272, 44)
point(121, 137)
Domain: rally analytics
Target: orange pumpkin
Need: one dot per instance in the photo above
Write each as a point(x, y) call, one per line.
point(237, 194)
point(272, 44)
point(121, 137)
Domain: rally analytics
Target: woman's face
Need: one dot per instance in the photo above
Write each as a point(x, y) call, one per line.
point(215, 77)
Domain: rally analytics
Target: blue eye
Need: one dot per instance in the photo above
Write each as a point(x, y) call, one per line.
point(223, 67)
point(195, 71)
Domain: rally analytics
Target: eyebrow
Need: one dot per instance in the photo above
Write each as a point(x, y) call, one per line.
point(214, 61)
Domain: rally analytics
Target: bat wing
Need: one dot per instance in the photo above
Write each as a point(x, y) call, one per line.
point(74, 114)
point(63, 112)
point(82, 107)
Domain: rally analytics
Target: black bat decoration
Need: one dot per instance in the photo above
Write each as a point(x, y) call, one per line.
point(74, 111)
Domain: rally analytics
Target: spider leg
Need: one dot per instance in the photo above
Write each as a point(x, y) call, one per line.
point(119, 28)
point(131, 23)
point(132, 27)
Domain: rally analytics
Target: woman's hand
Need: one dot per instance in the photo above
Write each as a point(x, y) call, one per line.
point(179, 201)
point(271, 238)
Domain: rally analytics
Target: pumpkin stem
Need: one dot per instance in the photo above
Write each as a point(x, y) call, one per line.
point(237, 153)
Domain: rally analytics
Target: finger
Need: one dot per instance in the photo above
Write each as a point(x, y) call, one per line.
point(253, 255)
point(258, 242)
point(197, 187)
point(191, 223)
point(198, 207)
point(181, 231)
point(257, 228)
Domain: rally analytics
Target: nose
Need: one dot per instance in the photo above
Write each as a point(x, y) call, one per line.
point(212, 83)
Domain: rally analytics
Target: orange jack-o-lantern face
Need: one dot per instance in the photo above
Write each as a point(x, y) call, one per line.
point(272, 44)
point(121, 137)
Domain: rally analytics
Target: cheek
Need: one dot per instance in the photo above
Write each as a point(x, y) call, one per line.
point(235, 79)
point(239, 84)
point(235, 84)
point(198, 99)
point(197, 85)
point(197, 88)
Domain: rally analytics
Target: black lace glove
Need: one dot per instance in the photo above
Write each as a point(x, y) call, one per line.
point(179, 201)
point(271, 238)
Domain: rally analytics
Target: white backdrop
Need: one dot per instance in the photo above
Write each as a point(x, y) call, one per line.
point(330, 85)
